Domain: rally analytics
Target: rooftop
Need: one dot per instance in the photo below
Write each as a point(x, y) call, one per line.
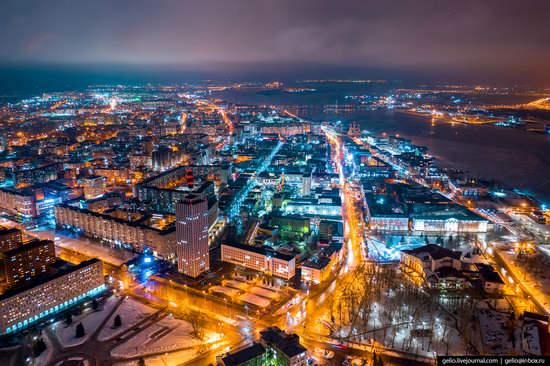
point(289, 344)
point(26, 247)
point(5, 230)
point(317, 263)
point(260, 250)
point(434, 251)
point(242, 355)
point(45, 279)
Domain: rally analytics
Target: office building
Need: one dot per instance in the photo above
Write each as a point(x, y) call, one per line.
point(316, 270)
point(192, 235)
point(162, 191)
point(320, 268)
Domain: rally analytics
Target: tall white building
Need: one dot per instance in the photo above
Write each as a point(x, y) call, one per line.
point(192, 235)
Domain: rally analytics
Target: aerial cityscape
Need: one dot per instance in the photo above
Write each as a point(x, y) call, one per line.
point(215, 183)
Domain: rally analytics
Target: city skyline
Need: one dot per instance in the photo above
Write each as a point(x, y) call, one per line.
point(274, 183)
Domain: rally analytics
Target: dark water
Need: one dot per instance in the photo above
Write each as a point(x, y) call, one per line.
point(517, 158)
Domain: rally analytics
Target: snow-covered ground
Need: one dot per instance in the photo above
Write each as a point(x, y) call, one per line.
point(87, 246)
point(90, 320)
point(400, 318)
point(254, 300)
point(166, 335)
point(399, 338)
point(131, 312)
point(264, 292)
point(45, 356)
point(170, 359)
point(495, 336)
point(380, 252)
point(236, 284)
point(229, 291)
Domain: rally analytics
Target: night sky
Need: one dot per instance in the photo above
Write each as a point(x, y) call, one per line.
point(483, 36)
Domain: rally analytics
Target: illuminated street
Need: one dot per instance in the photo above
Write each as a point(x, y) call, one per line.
point(274, 183)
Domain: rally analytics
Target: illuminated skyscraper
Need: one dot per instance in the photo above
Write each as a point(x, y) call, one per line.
point(192, 235)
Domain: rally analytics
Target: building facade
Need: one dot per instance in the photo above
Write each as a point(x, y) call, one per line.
point(316, 270)
point(284, 348)
point(28, 261)
point(320, 268)
point(437, 266)
point(192, 236)
point(162, 243)
point(94, 186)
point(260, 259)
point(34, 302)
point(450, 224)
point(20, 202)
point(10, 239)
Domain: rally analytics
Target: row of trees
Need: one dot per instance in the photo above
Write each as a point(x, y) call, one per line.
point(380, 303)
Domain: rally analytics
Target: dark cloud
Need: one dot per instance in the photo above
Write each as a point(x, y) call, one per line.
point(505, 35)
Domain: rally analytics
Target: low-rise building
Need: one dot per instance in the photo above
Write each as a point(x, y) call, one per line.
point(294, 223)
point(316, 270)
point(319, 269)
point(250, 355)
point(94, 186)
point(315, 206)
point(286, 348)
point(491, 281)
point(330, 230)
point(274, 348)
point(404, 205)
point(390, 222)
point(467, 189)
point(437, 266)
point(460, 221)
point(261, 259)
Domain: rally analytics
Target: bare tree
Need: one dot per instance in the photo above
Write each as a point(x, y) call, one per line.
point(198, 320)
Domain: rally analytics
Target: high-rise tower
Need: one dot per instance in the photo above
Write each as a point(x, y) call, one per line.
point(192, 235)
